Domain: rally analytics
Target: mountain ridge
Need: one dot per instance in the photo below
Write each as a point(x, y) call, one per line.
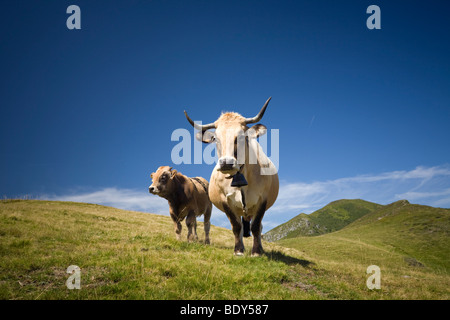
point(401, 234)
point(332, 217)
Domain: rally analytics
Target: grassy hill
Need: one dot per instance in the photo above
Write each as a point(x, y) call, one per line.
point(132, 255)
point(410, 244)
point(330, 218)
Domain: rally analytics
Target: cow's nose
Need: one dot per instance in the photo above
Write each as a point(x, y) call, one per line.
point(151, 189)
point(227, 163)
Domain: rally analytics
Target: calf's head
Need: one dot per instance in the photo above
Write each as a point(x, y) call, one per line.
point(162, 181)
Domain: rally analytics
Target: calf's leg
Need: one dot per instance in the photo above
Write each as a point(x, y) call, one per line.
point(207, 224)
point(191, 223)
point(176, 223)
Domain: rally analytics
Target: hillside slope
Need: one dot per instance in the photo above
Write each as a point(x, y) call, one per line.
point(132, 255)
point(409, 242)
point(334, 216)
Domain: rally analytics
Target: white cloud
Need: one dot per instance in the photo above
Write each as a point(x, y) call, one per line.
point(437, 198)
point(421, 195)
point(128, 199)
point(424, 185)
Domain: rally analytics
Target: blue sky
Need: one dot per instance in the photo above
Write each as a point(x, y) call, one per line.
point(88, 114)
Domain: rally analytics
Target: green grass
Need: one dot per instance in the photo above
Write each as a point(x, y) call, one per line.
point(132, 255)
point(410, 244)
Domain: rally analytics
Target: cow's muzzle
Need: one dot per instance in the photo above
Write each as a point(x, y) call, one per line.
point(228, 164)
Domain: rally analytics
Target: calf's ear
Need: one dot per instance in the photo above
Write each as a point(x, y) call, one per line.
point(206, 137)
point(256, 131)
point(151, 175)
point(173, 172)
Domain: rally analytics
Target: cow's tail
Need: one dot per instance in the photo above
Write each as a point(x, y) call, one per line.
point(246, 225)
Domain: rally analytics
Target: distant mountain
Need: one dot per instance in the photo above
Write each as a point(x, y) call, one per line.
point(399, 236)
point(334, 216)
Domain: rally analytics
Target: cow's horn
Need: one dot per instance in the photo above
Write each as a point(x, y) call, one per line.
point(260, 114)
point(203, 127)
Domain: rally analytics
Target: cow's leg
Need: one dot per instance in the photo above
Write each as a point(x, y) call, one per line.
point(246, 223)
point(207, 223)
point(236, 226)
point(256, 228)
point(191, 223)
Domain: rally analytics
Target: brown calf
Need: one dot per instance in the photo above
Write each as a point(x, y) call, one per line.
point(188, 198)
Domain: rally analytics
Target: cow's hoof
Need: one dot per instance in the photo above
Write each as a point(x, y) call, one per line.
point(207, 241)
point(239, 254)
point(255, 255)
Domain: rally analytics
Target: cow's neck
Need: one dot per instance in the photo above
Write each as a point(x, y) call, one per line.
point(238, 178)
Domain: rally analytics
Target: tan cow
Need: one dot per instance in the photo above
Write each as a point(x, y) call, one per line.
point(187, 197)
point(241, 161)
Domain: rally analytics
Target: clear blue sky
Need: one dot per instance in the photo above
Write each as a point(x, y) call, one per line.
point(92, 109)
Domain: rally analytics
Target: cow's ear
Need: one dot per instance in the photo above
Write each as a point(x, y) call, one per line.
point(173, 172)
point(256, 131)
point(206, 137)
point(151, 175)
